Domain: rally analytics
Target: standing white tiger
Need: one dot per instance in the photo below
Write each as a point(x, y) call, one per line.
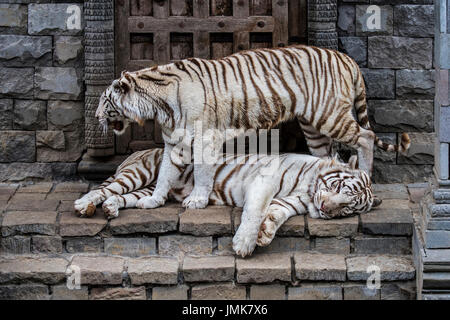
point(248, 90)
point(270, 189)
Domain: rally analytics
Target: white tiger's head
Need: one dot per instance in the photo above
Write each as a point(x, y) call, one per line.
point(343, 190)
point(136, 97)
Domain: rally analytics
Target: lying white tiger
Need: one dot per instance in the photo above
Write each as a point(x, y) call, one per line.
point(270, 189)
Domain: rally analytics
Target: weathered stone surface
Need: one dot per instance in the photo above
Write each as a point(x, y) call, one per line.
point(13, 18)
point(317, 266)
point(6, 114)
point(315, 293)
point(421, 150)
point(64, 196)
point(65, 115)
point(18, 204)
point(138, 293)
point(379, 83)
point(55, 18)
point(360, 292)
point(20, 51)
point(30, 115)
point(395, 191)
point(392, 268)
point(415, 84)
point(365, 25)
point(414, 20)
point(17, 82)
point(46, 244)
point(227, 291)
point(24, 222)
point(390, 52)
point(7, 190)
point(346, 20)
point(157, 220)
point(386, 245)
point(263, 268)
point(267, 292)
point(224, 246)
point(17, 146)
point(387, 222)
point(24, 292)
point(437, 239)
point(71, 225)
point(41, 187)
point(15, 245)
point(25, 197)
point(131, 247)
point(384, 156)
point(295, 226)
point(332, 245)
point(356, 48)
point(62, 292)
point(85, 245)
point(57, 83)
point(401, 115)
point(73, 149)
point(177, 245)
point(333, 228)
point(68, 51)
point(212, 268)
point(99, 270)
point(73, 186)
point(20, 171)
point(41, 269)
point(170, 293)
point(50, 139)
point(213, 220)
point(285, 244)
point(159, 270)
point(398, 291)
point(403, 173)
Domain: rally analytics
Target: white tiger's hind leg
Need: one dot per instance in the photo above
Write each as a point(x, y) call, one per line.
point(318, 144)
point(112, 205)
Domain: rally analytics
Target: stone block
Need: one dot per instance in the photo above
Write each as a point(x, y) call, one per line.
point(331, 292)
point(382, 245)
point(17, 82)
point(55, 18)
point(285, 244)
point(294, 226)
point(68, 51)
point(398, 291)
point(213, 220)
point(23, 222)
point(20, 171)
point(346, 20)
point(395, 222)
point(401, 115)
point(179, 292)
point(46, 244)
point(57, 83)
point(178, 245)
point(437, 239)
point(15, 245)
point(20, 269)
point(267, 292)
point(24, 292)
point(380, 83)
point(414, 20)
point(30, 115)
point(73, 149)
point(50, 139)
point(415, 84)
point(159, 220)
point(355, 47)
point(80, 186)
point(25, 51)
point(366, 24)
point(17, 146)
point(62, 292)
point(29, 204)
point(344, 227)
point(421, 150)
point(395, 191)
point(332, 245)
point(384, 156)
point(84, 244)
point(360, 292)
point(100, 270)
point(208, 269)
point(392, 268)
point(158, 270)
point(226, 291)
point(65, 115)
point(72, 226)
point(224, 246)
point(131, 247)
point(319, 267)
point(390, 52)
point(25, 197)
point(263, 268)
point(13, 18)
point(6, 114)
point(41, 187)
point(401, 173)
point(137, 293)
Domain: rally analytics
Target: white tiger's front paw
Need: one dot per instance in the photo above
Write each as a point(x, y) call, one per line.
point(196, 200)
point(150, 202)
point(111, 208)
point(244, 244)
point(84, 208)
point(267, 231)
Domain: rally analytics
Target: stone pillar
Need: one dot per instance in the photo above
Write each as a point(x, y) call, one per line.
point(322, 18)
point(432, 239)
point(99, 70)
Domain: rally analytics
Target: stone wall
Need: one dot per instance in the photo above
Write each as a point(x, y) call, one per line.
point(41, 96)
point(397, 63)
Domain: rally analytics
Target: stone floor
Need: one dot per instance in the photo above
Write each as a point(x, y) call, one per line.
point(172, 253)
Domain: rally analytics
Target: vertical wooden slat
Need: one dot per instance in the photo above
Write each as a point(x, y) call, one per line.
point(241, 39)
point(181, 8)
point(201, 38)
point(261, 7)
point(297, 21)
point(161, 40)
point(141, 7)
point(280, 15)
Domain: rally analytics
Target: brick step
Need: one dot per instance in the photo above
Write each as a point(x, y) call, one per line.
point(276, 276)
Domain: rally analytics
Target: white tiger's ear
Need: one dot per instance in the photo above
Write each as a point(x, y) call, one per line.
point(353, 162)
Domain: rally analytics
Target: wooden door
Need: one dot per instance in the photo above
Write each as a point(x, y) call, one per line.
point(149, 32)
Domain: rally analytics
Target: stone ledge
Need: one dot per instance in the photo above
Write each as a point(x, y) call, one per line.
point(264, 268)
point(158, 270)
point(213, 220)
point(391, 267)
point(314, 267)
point(208, 269)
point(99, 270)
point(23, 222)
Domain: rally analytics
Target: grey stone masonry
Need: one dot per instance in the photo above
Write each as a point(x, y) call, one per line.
point(13, 18)
point(19, 51)
point(55, 18)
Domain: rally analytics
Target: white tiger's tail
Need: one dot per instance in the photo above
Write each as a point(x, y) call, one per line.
point(363, 118)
